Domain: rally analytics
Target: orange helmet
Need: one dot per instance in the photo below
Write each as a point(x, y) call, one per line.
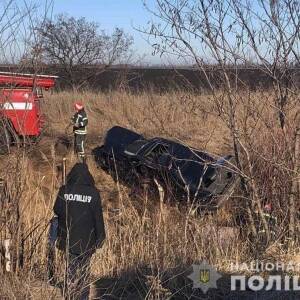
point(78, 106)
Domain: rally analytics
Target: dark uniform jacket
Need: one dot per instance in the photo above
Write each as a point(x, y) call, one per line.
point(80, 122)
point(78, 207)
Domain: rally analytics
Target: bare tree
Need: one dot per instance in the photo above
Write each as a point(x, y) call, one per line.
point(229, 35)
point(271, 34)
point(74, 44)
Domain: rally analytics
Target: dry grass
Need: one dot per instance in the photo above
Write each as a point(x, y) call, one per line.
point(150, 245)
point(180, 116)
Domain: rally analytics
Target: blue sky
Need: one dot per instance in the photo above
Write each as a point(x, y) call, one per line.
point(125, 14)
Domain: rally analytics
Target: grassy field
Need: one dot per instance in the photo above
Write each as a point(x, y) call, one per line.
point(150, 244)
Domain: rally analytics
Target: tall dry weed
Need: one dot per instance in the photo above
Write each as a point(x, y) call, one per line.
point(150, 245)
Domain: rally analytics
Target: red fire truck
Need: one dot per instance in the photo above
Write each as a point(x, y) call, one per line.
point(20, 112)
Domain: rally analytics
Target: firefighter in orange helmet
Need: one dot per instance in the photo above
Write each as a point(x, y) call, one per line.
point(80, 122)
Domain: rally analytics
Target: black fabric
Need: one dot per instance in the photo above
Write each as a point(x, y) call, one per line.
point(80, 121)
point(80, 218)
point(77, 277)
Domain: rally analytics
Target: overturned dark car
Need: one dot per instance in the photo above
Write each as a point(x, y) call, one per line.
point(183, 172)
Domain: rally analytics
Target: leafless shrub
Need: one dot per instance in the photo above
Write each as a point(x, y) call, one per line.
point(79, 48)
point(229, 35)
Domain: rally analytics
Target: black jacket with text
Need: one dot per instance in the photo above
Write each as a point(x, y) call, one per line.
point(80, 218)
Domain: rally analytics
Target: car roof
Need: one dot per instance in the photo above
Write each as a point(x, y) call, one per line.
point(182, 151)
